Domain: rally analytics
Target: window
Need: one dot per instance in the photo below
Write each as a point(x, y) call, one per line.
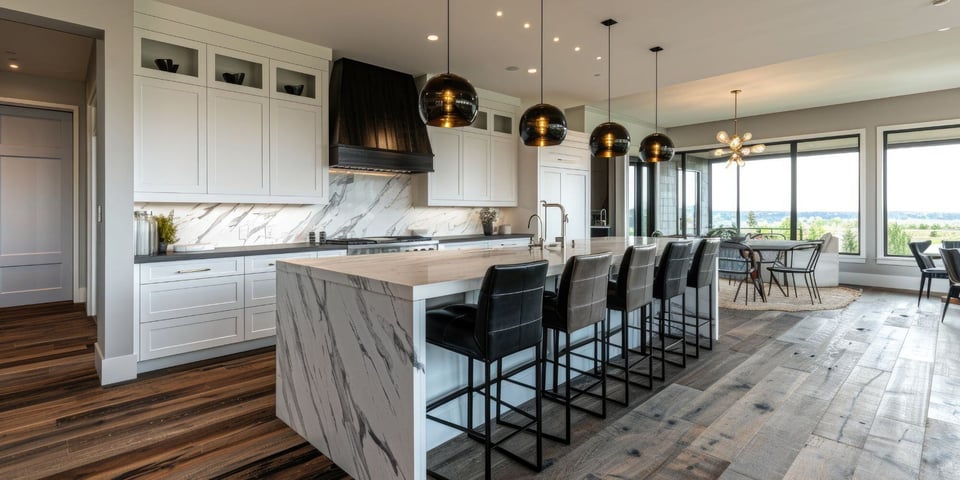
point(919, 172)
point(800, 189)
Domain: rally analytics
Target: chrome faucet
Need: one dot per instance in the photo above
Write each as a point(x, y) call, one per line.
point(603, 217)
point(564, 218)
point(537, 241)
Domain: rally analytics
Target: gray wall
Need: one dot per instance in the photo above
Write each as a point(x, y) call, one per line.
point(934, 106)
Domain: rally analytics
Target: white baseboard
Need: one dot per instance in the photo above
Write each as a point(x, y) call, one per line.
point(890, 281)
point(79, 295)
point(115, 369)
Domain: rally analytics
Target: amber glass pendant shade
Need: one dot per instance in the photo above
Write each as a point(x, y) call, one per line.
point(656, 147)
point(609, 139)
point(543, 125)
point(448, 101)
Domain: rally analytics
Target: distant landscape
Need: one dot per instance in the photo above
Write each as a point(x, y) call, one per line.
point(903, 227)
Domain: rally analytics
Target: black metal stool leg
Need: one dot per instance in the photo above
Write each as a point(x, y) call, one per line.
point(469, 393)
point(487, 424)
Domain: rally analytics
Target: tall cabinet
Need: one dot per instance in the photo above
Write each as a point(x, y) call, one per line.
point(561, 174)
point(239, 117)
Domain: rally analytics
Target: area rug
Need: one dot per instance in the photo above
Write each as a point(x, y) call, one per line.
point(833, 298)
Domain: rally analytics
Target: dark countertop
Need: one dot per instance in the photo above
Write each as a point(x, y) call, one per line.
point(294, 248)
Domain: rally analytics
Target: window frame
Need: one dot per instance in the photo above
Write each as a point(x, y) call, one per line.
point(881, 163)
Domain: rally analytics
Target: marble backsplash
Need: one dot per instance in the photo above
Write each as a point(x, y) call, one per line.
point(360, 206)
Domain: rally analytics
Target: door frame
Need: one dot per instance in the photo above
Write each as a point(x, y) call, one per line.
point(79, 294)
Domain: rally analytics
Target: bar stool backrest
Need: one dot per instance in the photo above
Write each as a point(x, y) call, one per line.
point(635, 277)
point(704, 265)
point(671, 276)
point(917, 249)
point(582, 295)
point(510, 308)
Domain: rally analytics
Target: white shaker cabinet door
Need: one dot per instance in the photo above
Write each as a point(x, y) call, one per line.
point(238, 138)
point(503, 178)
point(575, 198)
point(445, 179)
point(298, 157)
point(170, 150)
point(476, 167)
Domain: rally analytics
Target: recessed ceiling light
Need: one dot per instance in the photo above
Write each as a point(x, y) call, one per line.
point(599, 58)
point(937, 3)
point(556, 39)
point(526, 25)
point(576, 49)
point(944, 29)
point(531, 70)
point(14, 66)
point(433, 38)
point(499, 13)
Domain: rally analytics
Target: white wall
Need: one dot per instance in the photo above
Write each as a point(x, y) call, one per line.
point(869, 115)
point(113, 19)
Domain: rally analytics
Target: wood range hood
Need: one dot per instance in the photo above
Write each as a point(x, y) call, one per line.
point(375, 121)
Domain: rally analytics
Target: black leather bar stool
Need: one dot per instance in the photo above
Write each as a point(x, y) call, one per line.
point(579, 302)
point(632, 290)
point(670, 281)
point(507, 319)
point(703, 269)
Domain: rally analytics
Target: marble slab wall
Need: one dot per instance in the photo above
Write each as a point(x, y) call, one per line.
point(360, 205)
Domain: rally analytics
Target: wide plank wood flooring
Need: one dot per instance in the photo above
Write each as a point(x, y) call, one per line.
point(872, 390)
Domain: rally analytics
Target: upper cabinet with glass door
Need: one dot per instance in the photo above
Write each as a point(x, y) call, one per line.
point(167, 57)
point(296, 83)
point(494, 122)
point(236, 71)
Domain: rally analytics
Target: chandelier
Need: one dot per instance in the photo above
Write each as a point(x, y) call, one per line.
point(735, 144)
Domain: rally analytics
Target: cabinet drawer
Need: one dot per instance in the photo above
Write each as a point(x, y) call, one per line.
point(259, 289)
point(513, 242)
point(566, 157)
point(259, 322)
point(268, 263)
point(182, 335)
point(190, 269)
point(161, 301)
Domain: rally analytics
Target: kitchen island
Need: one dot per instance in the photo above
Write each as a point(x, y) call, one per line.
point(351, 347)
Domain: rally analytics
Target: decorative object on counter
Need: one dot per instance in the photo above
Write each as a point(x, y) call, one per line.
point(448, 100)
point(487, 217)
point(166, 65)
point(322, 237)
point(656, 147)
point(735, 145)
point(542, 125)
point(293, 89)
point(234, 78)
point(609, 139)
point(422, 232)
point(312, 238)
point(145, 233)
point(192, 247)
point(166, 231)
point(506, 229)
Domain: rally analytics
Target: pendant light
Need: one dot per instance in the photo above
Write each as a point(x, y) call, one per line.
point(735, 145)
point(609, 139)
point(656, 147)
point(448, 100)
point(542, 125)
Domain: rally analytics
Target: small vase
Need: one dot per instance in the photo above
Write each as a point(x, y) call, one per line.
point(162, 248)
point(488, 229)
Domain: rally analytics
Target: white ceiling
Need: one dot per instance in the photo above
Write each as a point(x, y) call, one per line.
point(44, 52)
point(784, 54)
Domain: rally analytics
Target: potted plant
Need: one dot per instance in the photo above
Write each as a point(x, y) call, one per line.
point(166, 231)
point(487, 217)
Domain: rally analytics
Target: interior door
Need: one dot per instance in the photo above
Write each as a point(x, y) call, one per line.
point(36, 206)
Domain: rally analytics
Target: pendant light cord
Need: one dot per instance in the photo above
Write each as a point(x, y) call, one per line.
point(609, 70)
point(541, 51)
point(448, 37)
point(736, 129)
point(656, 91)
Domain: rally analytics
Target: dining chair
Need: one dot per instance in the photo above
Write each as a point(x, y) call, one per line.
point(795, 266)
point(951, 262)
point(950, 244)
point(928, 271)
point(738, 261)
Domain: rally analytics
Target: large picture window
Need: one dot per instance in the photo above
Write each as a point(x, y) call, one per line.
point(919, 187)
point(800, 189)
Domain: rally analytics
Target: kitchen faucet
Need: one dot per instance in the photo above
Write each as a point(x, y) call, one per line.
point(537, 241)
point(564, 218)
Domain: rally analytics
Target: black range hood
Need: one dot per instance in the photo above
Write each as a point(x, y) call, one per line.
point(375, 120)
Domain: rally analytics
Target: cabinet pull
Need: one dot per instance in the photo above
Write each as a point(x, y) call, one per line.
point(195, 270)
point(271, 264)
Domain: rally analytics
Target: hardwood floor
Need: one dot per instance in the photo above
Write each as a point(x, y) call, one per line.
point(872, 390)
point(207, 420)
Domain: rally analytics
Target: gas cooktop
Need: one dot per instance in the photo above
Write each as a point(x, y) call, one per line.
point(377, 240)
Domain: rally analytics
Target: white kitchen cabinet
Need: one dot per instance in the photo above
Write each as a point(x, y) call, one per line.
point(189, 56)
point(188, 334)
point(298, 160)
point(561, 174)
point(260, 289)
point(238, 138)
point(283, 75)
point(190, 269)
point(159, 301)
point(170, 150)
point(222, 61)
point(260, 321)
point(476, 165)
